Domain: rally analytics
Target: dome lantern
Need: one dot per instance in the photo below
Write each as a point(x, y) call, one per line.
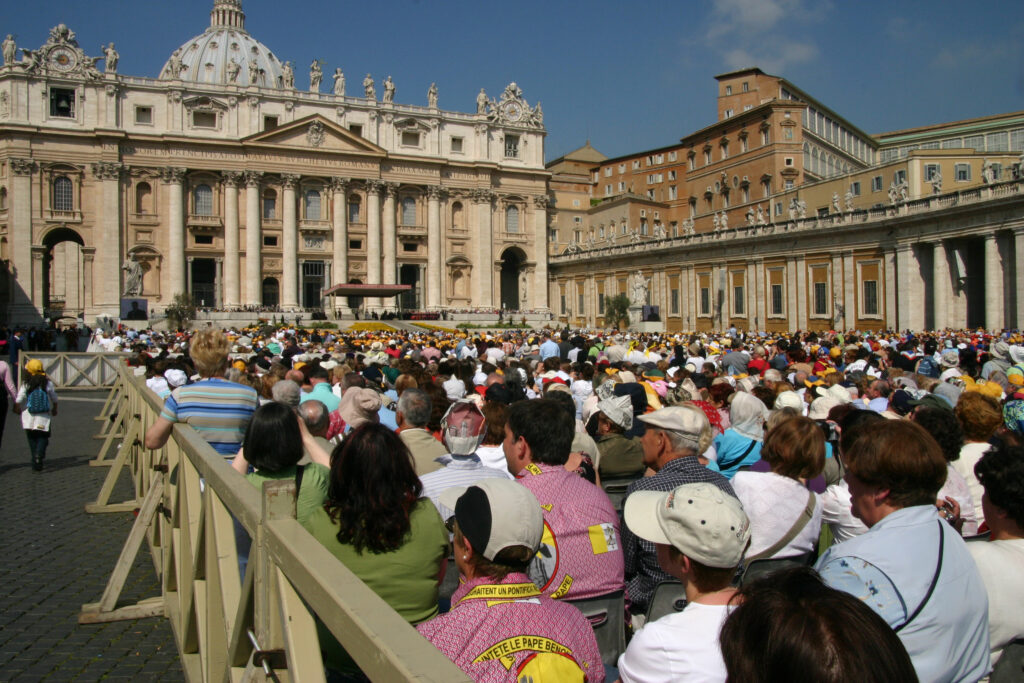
point(227, 14)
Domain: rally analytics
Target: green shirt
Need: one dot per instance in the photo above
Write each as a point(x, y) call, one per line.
point(620, 457)
point(406, 578)
point(312, 493)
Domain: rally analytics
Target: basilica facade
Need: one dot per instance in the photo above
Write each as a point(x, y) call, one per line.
point(225, 179)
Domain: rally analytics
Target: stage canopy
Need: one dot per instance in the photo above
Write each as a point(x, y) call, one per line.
point(367, 290)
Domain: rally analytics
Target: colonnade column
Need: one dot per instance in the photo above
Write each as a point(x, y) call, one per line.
point(253, 239)
point(910, 291)
point(174, 177)
point(109, 176)
point(940, 287)
point(290, 245)
point(485, 261)
point(339, 236)
point(540, 251)
point(849, 292)
point(230, 287)
point(88, 258)
point(373, 190)
point(38, 255)
point(993, 284)
point(389, 238)
point(1018, 278)
point(889, 282)
point(433, 288)
point(20, 235)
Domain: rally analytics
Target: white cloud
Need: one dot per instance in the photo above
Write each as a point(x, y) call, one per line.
point(763, 33)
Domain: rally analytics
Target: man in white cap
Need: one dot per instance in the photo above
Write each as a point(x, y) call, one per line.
point(501, 626)
point(621, 457)
point(700, 533)
point(674, 437)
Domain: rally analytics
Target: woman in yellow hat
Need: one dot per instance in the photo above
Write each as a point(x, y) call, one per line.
point(37, 403)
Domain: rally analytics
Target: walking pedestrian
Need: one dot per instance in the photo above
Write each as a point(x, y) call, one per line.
point(37, 403)
point(6, 391)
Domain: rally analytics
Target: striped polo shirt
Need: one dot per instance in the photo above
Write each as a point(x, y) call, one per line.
point(217, 409)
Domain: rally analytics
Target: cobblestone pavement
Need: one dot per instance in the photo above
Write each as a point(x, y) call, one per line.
point(54, 557)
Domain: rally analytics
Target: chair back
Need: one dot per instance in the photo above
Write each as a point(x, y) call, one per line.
point(669, 597)
point(1010, 667)
point(978, 538)
point(607, 616)
point(616, 490)
point(760, 568)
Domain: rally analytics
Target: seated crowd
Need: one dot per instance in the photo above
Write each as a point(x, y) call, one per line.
point(820, 507)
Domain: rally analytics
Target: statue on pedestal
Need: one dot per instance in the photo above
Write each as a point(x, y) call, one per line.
point(389, 89)
point(10, 50)
point(110, 59)
point(132, 276)
point(937, 182)
point(254, 71)
point(835, 203)
point(849, 200)
point(724, 221)
point(638, 289)
point(481, 102)
point(339, 81)
point(432, 96)
point(371, 91)
point(232, 68)
point(288, 75)
point(316, 74)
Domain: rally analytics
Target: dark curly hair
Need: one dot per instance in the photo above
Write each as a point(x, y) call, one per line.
point(1001, 472)
point(373, 489)
point(944, 429)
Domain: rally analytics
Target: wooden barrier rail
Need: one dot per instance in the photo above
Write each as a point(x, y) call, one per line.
point(70, 370)
point(261, 626)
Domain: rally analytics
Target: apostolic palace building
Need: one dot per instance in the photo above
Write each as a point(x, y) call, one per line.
point(227, 179)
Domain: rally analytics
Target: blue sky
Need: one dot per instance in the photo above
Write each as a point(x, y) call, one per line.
point(627, 75)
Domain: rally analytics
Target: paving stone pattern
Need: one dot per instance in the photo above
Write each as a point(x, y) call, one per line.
point(54, 557)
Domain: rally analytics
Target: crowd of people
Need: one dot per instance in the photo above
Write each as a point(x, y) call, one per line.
point(831, 506)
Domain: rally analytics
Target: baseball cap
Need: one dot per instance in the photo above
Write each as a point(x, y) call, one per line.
point(34, 367)
point(932, 401)
point(495, 514)
point(618, 409)
point(699, 520)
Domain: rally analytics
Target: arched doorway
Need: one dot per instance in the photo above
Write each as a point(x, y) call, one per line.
point(271, 292)
point(63, 276)
point(512, 260)
point(355, 302)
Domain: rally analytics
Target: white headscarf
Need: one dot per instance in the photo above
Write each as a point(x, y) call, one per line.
point(747, 414)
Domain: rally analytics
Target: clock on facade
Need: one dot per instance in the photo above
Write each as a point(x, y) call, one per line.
point(513, 111)
point(62, 59)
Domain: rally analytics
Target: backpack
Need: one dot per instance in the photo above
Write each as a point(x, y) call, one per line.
point(928, 367)
point(38, 401)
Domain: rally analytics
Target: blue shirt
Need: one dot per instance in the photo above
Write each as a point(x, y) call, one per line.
point(548, 349)
point(890, 569)
point(322, 392)
point(729, 447)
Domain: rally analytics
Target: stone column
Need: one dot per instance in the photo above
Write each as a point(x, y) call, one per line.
point(218, 283)
point(484, 270)
point(289, 244)
point(849, 292)
point(109, 176)
point(1018, 278)
point(253, 239)
point(792, 295)
point(389, 274)
point(373, 191)
point(190, 277)
point(38, 254)
point(993, 284)
point(88, 257)
point(760, 294)
point(20, 236)
point(174, 177)
point(339, 237)
point(940, 287)
point(433, 288)
point(232, 256)
point(540, 251)
point(910, 306)
point(801, 292)
point(889, 316)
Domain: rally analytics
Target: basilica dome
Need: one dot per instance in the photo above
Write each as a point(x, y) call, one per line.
point(225, 53)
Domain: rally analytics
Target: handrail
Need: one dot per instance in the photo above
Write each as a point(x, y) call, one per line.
point(189, 498)
point(75, 370)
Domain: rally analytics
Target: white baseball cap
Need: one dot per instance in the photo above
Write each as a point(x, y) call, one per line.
point(494, 514)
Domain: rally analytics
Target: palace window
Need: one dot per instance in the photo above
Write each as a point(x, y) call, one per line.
point(410, 138)
point(270, 204)
point(356, 129)
point(876, 183)
point(269, 122)
point(705, 301)
point(512, 146)
point(456, 145)
point(674, 301)
point(353, 208)
point(963, 172)
point(312, 205)
point(355, 245)
point(457, 215)
point(738, 300)
point(202, 200)
point(63, 194)
point(408, 211)
point(204, 119)
point(870, 297)
point(820, 298)
point(512, 219)
point(270, 240)
point(144, 115)
point(776, 305)
point(855, 189)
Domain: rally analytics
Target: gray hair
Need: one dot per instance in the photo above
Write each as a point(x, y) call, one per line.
point(287, 392)
point(314, 414)
point(414, 405)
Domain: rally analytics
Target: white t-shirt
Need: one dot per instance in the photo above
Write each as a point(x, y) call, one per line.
point(837, 512)
point(773, 503)
point(494, 457)
point(1001, 565)
point(678, 647)
point(970, 454)
point(957, 488)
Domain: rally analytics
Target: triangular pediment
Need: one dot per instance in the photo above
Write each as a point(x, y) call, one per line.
point(314, 133)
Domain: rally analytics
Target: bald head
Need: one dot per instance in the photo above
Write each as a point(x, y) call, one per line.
point(315, 415)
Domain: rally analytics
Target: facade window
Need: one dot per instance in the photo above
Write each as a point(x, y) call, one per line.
point(608, 172)
point(202, 200)
point(705, 301)
point(512, 219)
point(144, 115)
point(673, 192)
point(997, 171)
point(456, 145)
point(743, 144)
point(728, 113)
point(143, 198)
point(766, 188)
point(636, 164)
point(512, 146)
point(270, 240)
point(204, 119)
point(707, 157)
point(204, 239)
point(408, 211)
point(788, 185)
point(820, 298)
point(963, 173)
point(674, 301)
point(579, 301)
point(725, 150)
point(561, 302)
point(672, 156)
point(930, 170)
point(62, 102)
point(355, 245)
point(900, 176)
point(766, 137)
point(353, 208)
point(737, 300)
point(855, 189)
point(870, 297)
point(457, 216)
point(672, 174)
point(410, 138)
point(876, 183)
point(270, 204)
point(607, 190)
point(690, 164)
point(622, 186)
point(745, 193)
point(746, 86)
point(63, 194)
point(600, 303)
point(312, 205)
point(778, 208)
point(356, 129)
point(622, 168)
point(553, 235)
point(269, 122)
point(776, 303)
point(728, 90)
